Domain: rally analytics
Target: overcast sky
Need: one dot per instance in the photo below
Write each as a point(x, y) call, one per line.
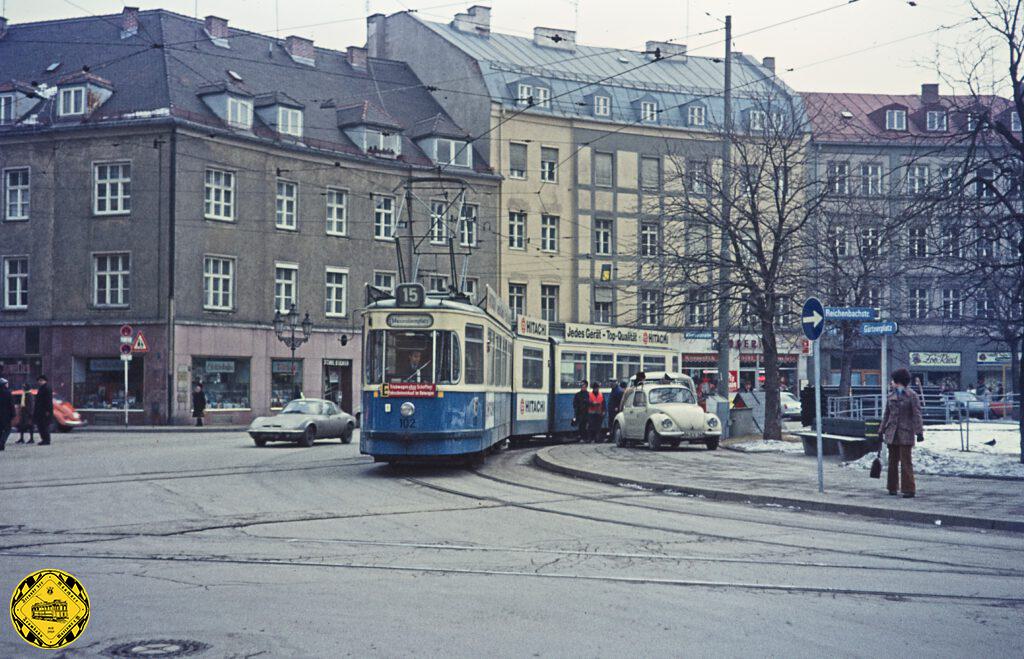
point(814, 47)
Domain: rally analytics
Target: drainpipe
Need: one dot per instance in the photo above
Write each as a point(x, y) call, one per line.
point(171, 215)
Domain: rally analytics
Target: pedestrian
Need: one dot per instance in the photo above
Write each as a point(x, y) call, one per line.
point(580, 402)
point(918, 387)
point(198, 403)
point(42, 410)
point(901, 424)
point(25, 408)
point(6, 412)
point(615, 401)
point(597, 411)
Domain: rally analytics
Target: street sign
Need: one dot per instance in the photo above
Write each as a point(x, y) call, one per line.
point(126, 357)
point(879, 329)
point(126, 349)
point(140, 344)
point(698, 334)
point(850, 313)
point(126, 330)
point(813, 318)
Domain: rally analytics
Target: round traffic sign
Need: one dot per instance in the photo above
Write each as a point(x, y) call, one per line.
point(126, 330)
point(812, 319)
point(126, 348)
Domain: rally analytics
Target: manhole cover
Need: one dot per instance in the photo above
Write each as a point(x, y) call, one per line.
point(156, 648)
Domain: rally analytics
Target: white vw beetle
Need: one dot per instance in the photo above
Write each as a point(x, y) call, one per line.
point(664, 410)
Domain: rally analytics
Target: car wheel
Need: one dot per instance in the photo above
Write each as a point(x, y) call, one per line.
point(347, 437)
point(652, 438)
point(619, 437)
point(309, 436)
point(712, 444)
point(259, 442)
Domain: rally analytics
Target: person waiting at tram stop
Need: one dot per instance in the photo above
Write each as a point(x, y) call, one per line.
point(901, 424)
point(596, 411)
point(615, 401)
point(580, 405)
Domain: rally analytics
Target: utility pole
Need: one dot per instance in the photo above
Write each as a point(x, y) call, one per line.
point(724, 271)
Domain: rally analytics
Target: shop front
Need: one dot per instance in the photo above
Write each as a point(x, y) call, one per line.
point(994, 371)
point(751, 373)
point(337, 386)
point(226, 382)
point(938, 369)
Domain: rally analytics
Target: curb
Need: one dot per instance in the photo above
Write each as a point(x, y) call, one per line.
point(544, 461)
point(151, 430)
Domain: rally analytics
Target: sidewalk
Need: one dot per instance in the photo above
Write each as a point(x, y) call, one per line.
point(159, 429)
point(791, 480)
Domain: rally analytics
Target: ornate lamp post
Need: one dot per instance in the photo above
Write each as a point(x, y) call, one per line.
point(285, 327)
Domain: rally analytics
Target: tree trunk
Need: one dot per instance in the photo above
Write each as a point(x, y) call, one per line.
point(772, 402)
point(846, 357)
point(1020, 387)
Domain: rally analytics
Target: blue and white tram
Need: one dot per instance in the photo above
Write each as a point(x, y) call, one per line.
point(437, 377)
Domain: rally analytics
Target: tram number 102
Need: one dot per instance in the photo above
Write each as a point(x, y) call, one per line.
point(407, 422)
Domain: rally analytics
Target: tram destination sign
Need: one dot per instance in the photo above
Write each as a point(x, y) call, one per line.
point(408, 390)
point(615, 335)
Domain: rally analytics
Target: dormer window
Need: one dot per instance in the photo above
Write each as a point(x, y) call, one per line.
point(383, 142)
point(756, 120)
point(695, 115)
point(72, 101)
point(542, 97)
point(895, 119)
point(289, 121)
point(602, 106)
point(239, 113)
point(649, 112)
point(457, 153)
point(523, 94)
point(6, 109)
point(936, 121)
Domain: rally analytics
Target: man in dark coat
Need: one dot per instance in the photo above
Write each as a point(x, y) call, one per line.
point(24, 405)
point(42, 414)
point(615, 402)
point(901, 425)
point(580, 409)
point(198, 403)
point(6, 412)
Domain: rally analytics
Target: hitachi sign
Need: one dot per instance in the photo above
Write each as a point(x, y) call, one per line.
point(615, 335)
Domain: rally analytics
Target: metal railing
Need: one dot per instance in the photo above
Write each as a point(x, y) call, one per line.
point(934, 406)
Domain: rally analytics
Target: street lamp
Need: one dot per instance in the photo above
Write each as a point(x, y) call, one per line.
point(285, 327)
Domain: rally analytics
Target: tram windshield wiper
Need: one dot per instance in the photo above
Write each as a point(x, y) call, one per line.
point(416, 373)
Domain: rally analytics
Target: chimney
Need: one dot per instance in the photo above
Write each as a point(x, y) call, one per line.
point(550, 37)
point(677, 50)
point(301, 50)
point(216, 27)
point(769, 63)
point(3, 27)
point(376, 40)
point(129, 22)
point(930, 93)
point(477, 20)
point(356, 56)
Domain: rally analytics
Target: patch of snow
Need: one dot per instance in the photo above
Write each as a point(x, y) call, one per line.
point(767, 446)
point(947, 437)
point(146, 114)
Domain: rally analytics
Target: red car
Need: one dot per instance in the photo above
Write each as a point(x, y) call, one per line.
point(65, 418)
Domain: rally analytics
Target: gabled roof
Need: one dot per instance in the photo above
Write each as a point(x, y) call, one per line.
point(440, 126)
point(276, 98)
point(85, 78)
point(17, 86)
point(366, 114)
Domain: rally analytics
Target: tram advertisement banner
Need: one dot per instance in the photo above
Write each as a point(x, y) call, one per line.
point(408, 390)
point(615, 335)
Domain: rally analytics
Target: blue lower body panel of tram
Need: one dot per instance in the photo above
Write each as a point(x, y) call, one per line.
point(564, 414)
point(457, 423)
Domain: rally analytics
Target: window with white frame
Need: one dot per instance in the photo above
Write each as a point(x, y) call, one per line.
point(385, 281)
point(218, 283)
point(951, 241)
point(112, 193)
point(972, 121)
point(895, 119)
point(917, 301)
point(517, 298)
point(603, 300)
point(985, 304)
point(918, 242)
point(650, 173)
point(696, 175)
point(111, 280)
point(948, 176)
point(873, 297)
point(337, 212)
point(335, 293)
point(549, 303)
point(648, 112)
point(524, 94)
point(870, 242)
point(382, 142)
point(548, 164)
point(542, 97)
point(871, 179)
point(437, 283)
point(383, 217)
point(468, 225)
point(917, 179)
point(438, 223)
point(517, 230)
point(696, 309)
point(838, 240)
point(604, 170)
point(15, 283)
point(287, 199)
point(838, 178)
point(239, 113)
point(650, 307)
point(952, 304)
point(649, 239)
point(6, 109)
point(72, 101)
point(219, 190)
point(17, 193)
point(756, 120)
point(457, 153)
point(289, 121)
point(603, 238)
point(517, 160)
point(549, 233)
point(471, 287)
point(984, 184)
point(935, 121)
point(286, 284)
point(602, 106)
point(696, 115)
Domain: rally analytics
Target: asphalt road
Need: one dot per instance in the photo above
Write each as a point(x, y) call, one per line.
point(296, 552)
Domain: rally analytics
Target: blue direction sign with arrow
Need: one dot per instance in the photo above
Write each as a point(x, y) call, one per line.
point(813, 318)
point(882, 328)
point(849, 313)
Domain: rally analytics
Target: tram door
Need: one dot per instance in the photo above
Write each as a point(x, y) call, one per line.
point(338, 382)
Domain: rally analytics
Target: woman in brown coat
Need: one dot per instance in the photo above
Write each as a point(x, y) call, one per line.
point(901, 424)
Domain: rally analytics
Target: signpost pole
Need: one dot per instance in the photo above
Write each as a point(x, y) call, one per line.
point(885, 373)
point(817, 411)
point(125, 393)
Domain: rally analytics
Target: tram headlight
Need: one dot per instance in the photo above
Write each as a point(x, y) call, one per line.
point(407, 409)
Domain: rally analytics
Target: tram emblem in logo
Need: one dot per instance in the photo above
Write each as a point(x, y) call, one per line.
point(50, 609)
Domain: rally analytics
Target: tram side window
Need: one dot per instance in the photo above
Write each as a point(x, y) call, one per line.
point(374, 360)
point(474, 354)
point(626, 366)
point(533, 368)
point(602, 368)
point(449, 356)
point(573, 369)
point(654, 363)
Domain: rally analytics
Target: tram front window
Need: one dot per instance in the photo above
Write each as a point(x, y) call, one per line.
point(409, 357)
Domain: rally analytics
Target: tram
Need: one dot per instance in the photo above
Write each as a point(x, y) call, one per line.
point(444, 378)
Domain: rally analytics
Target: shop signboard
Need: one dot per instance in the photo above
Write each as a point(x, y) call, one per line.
point(533, 327)
point(995, 358)
point(220, 366)
point(578, 333)
point(935, 359)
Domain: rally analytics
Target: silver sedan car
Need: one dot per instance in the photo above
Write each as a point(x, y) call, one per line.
point(304, 421)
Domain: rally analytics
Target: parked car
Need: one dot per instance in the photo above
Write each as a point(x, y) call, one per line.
point(976, 405)
point(304, 421)
point(660, 412)
point(65, 417)
point(791, 407)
